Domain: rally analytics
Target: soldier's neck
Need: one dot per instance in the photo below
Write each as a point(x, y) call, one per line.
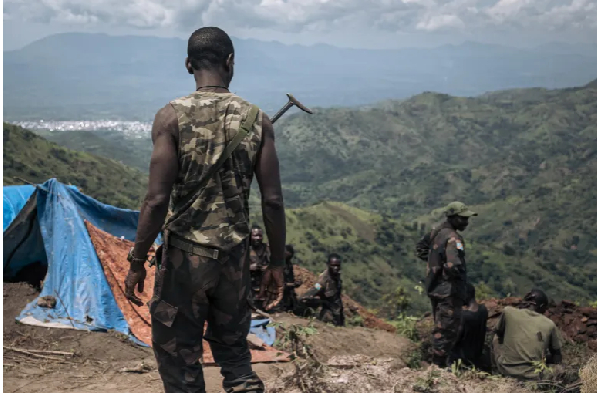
point(206, 78)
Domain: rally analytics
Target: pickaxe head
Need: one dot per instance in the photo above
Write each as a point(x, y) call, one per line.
point(291, 102)
point(297, 103)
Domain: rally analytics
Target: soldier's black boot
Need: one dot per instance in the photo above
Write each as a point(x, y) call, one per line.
point(249, 383)
point(441, 362)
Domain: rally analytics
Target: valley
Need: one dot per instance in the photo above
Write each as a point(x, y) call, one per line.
point(367, 183)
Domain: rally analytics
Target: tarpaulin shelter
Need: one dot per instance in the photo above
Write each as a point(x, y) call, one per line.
point(13, 199)
point(49, 230)
point(72, 236)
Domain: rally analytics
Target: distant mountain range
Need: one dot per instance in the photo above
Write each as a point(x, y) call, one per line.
point(96, 76)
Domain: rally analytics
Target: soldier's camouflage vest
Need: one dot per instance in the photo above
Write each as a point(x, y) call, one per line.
point(208, 121)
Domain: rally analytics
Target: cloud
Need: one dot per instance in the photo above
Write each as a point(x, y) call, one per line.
point(437, 22)
point(312, 15)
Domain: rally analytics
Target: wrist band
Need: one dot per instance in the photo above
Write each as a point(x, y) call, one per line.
point(134, 260)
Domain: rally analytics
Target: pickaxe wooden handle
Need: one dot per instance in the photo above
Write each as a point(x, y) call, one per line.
point(292, 102)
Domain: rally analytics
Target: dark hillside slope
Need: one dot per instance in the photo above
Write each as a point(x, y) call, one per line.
point(35, 159)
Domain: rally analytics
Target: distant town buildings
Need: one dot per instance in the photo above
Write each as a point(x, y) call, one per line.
point(131, 128)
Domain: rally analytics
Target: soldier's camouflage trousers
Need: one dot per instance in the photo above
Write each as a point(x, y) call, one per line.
point(194, 290)
point(446, 326)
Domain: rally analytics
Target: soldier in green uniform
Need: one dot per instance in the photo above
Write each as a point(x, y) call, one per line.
point(524, 336)
point(326, 293)
point(208, 146)
point(259, 261)
point(446, 284)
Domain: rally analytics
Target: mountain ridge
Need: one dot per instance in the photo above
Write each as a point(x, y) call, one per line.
point(95, 76)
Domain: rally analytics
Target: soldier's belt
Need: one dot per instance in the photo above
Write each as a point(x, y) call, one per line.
point(193, 248)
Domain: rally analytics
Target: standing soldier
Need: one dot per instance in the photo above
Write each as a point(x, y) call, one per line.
point(259, 261)
point(207, 147)
point(289, 292)
point(446, 283)
point(327, 293)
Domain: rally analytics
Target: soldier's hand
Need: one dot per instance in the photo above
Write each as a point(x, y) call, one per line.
point(275, 275)
point(135, 276)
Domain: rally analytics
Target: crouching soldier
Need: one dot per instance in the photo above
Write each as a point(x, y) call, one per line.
point(524, 337)
point(326, 294)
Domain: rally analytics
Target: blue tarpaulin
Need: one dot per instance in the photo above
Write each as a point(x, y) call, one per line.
point(264, 332)
point(50, 229)
point(75, 276)
point(14, 198)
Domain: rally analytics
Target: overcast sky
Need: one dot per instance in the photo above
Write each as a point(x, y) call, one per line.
point(348, 23)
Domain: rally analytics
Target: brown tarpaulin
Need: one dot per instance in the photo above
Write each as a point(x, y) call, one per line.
point(112, 253)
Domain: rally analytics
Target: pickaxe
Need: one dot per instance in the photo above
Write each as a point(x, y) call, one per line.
point(292, 102)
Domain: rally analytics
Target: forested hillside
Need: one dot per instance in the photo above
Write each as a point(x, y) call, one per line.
point(525, 159)
point(35, 159)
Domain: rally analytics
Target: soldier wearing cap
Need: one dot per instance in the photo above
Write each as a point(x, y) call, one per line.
point(444, 250)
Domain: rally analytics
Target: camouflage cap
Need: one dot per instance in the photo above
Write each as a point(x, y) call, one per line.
point(460, 209)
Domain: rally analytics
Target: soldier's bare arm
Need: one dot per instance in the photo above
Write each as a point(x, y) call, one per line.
point(317, 290)
point(267, 175)
point(163, 171)
point(164, 166)
point(269, 183)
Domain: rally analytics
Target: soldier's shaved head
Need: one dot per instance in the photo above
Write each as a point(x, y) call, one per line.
point(334, 262)
point(256, 238)
point(537, 300)
point(208, 48)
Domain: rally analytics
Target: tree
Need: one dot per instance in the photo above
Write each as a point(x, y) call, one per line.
point(395, 303)
point(483, 291)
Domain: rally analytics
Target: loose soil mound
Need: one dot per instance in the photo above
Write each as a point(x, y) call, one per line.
point(577, 324)
point(360, 373)
point(351, 308)
point(94, 367)
point(588, 375)
point(335, 341)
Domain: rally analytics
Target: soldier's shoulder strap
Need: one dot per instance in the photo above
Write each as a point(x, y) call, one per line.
point(237, 139)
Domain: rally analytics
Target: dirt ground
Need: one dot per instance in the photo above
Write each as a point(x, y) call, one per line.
point(351, 359)
point(97, 362)
point(364, 374)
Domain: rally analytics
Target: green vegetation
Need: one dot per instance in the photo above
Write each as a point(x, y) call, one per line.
point(132, 152)
point(35, 159)
point(380, 270)
point(525, 159)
